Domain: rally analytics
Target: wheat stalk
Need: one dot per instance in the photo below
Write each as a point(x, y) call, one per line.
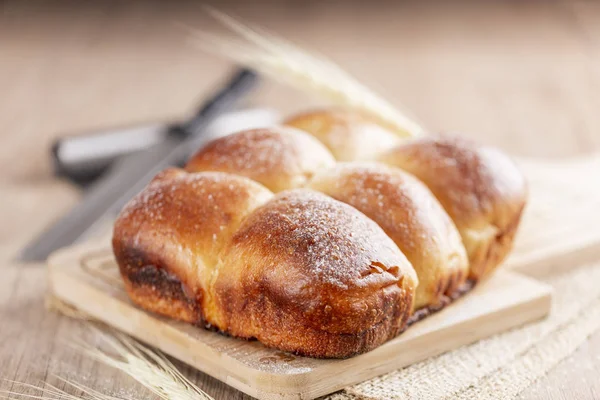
point(53, 303)
point(51, 392)
point(287, 63)
point(149, 367)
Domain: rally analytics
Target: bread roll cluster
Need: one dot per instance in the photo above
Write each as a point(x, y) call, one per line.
point(323, 237)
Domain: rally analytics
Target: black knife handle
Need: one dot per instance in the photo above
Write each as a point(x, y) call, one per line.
point(84, 158)
point(239, 84)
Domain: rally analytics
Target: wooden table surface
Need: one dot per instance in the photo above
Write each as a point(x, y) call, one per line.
point(524, 76)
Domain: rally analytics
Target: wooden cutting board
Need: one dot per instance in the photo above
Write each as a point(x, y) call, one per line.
point(561, 227)
point(88, 278)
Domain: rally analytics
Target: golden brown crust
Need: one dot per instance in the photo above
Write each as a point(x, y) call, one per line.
point(480, 188)
point(167, 239)
point(308, 274)
point(411, 216)
point(348, 135)
point(304, 272)
point(280, 158)
point(166, 297)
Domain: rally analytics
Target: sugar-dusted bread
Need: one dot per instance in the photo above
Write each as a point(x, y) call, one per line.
point(480, 187)
point(264, 235)
point(411, 216)
point(308, 274)
point(399, 203)
point(348, 135)
point(280, 157)
point(301, 272)
point(167, 239)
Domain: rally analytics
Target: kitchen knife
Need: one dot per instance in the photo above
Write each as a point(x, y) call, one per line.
point(130, 174)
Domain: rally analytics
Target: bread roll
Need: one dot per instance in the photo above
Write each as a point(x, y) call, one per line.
point(279, 157)
point(168, 238)
point(308, 274)
point(303, 272)
point(480, 187)
point(411, 216)
point(300, 270)
point(348, 135)
point(439, 257)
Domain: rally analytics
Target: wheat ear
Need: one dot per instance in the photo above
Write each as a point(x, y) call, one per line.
point(287, 63)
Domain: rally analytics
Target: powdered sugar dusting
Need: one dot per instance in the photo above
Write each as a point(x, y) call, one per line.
point(189, 212)
point(331, 241)
point(174, 186)
point(347, 134)
point(278, 157)
point(465, 177)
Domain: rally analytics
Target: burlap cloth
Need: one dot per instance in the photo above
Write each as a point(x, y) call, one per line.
point(501, 366)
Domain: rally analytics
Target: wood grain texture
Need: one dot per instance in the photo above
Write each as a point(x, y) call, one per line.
point(521, 75)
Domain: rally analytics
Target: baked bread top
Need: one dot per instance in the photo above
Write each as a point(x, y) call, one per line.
point(266, 234)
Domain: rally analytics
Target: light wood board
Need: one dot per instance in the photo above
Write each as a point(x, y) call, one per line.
point(87, 276)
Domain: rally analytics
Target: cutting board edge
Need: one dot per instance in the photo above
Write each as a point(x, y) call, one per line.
point(261, 384)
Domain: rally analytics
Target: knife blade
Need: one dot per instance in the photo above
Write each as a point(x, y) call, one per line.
point(130, 174)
